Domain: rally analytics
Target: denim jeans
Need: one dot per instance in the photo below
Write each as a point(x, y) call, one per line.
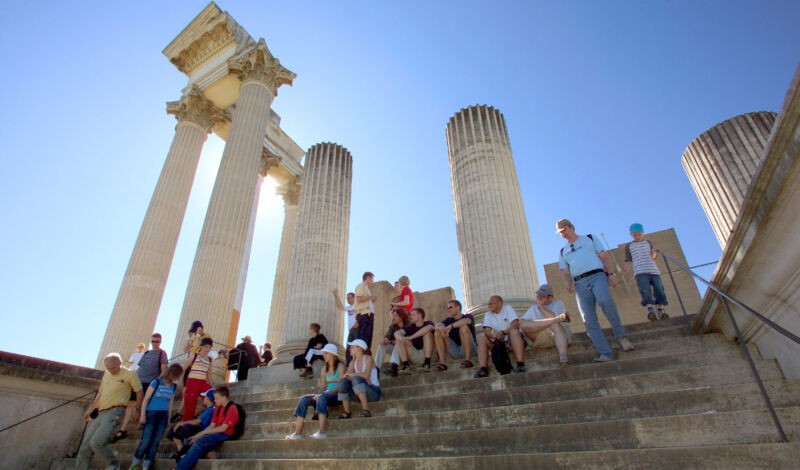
point(591, 291)
point(323, 402)
point(97, 436)
point(154, 427)
point(645, 282)
point(349, 388)
point(200, 448)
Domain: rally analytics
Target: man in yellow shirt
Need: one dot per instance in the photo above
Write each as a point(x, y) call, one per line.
point(110, 402)
point(365, 308)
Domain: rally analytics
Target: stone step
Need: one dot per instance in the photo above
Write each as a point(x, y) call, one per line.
point(690, 352)
point(687, 430)
point(639, 332)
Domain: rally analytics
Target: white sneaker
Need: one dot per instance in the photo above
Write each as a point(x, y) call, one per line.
point(626, 344)
point(318, 435)
point(293, 436)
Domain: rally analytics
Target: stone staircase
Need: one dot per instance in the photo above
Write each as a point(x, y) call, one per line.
point(678, 401)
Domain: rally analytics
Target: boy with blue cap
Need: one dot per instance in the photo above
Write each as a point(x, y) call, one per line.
point(640, 256)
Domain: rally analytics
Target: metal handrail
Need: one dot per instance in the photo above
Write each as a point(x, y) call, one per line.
point(725, 299)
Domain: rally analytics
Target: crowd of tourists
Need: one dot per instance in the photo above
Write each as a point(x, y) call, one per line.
point(144, 391)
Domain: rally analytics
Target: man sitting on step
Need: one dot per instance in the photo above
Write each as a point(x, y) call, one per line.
point(500, 323)
point(414, 344)
point(545, 324)
point(455, 336)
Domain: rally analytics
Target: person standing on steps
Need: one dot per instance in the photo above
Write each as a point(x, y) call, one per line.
point(365, 308)
point(455, 336)
point(640, 256)
point(350, 315)
point(326, 396)
point(250, 360)
point(500, 323)
point(156, 409)
point(545, 324)
point(199, 379)
point(588, 271)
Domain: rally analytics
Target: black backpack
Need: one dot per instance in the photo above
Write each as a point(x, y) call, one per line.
point(500, 357)
point(238, 430)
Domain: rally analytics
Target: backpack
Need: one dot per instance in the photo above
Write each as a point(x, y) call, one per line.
point(500, 357)
point(238, 430)
point(590, 238)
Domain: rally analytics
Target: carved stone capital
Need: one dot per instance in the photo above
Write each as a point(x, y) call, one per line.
point(259, 64)
point(290, 192)
point(268, 160)
point(194, 107)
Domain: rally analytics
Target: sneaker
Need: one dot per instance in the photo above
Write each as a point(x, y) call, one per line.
point(441, 368)
point(651, 315)
point(406, 370)
point(318, 435)
point(294, 436)
point(392, 372)
point(602, 359)
point(520, 368)
point(483, 372)
point(467, 364)
point(626, 344)
point(425, 368)
point(662, 315)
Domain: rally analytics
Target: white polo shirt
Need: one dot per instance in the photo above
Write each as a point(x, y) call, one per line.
point(500, 321)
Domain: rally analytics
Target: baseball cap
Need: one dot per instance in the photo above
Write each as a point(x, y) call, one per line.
point(544, 290)
point(358, 342)
point(637, 228)
point(208, 394)
point(331, 348)
point(563, 224)
point(195, 325)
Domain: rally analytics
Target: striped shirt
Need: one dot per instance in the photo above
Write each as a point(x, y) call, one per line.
point(200, 368)
point(639, 254)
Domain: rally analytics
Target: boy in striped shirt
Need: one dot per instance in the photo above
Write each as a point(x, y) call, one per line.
point(640, 256)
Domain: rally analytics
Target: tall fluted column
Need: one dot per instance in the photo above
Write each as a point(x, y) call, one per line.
point(277, 312)
point(210, 295)
point(493, 238)
point(319, 257)
point(720, 164)
point(139, 299)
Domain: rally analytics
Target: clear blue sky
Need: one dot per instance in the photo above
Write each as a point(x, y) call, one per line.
point(600, 99)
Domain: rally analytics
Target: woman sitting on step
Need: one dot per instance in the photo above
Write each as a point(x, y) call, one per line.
point(361, 380)
point(327, 395)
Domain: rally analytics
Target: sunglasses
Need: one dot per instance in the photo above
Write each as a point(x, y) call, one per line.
point(156, 341)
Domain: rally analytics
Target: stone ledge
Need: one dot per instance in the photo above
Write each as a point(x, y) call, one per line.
point(34, 368)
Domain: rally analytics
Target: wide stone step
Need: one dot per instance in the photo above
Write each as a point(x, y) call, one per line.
point(639, 332)
point(751, 456)
point(702, 429)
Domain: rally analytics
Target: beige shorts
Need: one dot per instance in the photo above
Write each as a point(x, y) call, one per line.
point(545, 339)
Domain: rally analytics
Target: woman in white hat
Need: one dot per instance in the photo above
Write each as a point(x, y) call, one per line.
point(327, 394)
point(361, 380)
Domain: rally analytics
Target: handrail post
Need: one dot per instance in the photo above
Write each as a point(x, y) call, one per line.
point(755, 372)
point(677, 293)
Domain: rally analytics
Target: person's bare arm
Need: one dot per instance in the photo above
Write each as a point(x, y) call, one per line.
point(462, 322)
point(628, 267)
point(339, 304)
point(402, 303)
point(567, 280)
point(92, 406)
point(146, 401)
point(608, 265)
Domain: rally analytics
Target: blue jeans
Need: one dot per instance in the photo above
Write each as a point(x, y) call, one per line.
point(644, 282)
point(590, 291)
point(152, 433)
point(200, 448)
point(324, 400)
point(348, 388)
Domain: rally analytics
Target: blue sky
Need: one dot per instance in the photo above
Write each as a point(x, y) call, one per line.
point(600, 99)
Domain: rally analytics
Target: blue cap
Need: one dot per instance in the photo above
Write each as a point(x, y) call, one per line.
point(208, 394)
point(637, 228)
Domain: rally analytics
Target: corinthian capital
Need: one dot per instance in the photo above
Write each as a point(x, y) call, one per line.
point(290, 192)
point(268, 160)
point(260, 65)
point(194, 107)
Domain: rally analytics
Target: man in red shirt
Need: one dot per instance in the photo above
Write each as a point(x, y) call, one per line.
point(406, 299)
point(226, 415)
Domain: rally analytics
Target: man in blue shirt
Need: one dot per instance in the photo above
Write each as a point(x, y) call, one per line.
point(588, 271)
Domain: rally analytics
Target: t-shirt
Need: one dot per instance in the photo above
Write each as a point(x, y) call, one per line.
point(500, 321)
point(581, 256)
point(317, 340)
point(206, 415)
point(350, 314)
point(267, 356)
point(115, 390)
point(135, 360)
point(200, 368)
point(159, 401)
point(639, 253)
point(411, 328)
point(363, 307)
point(556, 307)
point(407, 292)
point(196, 339)
point(228, 414)
point(150, 365)
point(455, 336)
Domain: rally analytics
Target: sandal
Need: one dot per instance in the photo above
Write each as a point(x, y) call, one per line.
point(467, 364)
point(441, 368)
point(366, 414)
point(121, 434)
point(346, 415)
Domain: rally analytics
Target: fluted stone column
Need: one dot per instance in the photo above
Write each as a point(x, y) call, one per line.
point(139, 299)
point(720, 164)
point(210, 295)
point(319, 257)
point(277, 312)
point(493, 239)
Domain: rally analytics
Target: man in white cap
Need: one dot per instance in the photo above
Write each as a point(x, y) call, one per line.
point(545, 323)
point(588, 271)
